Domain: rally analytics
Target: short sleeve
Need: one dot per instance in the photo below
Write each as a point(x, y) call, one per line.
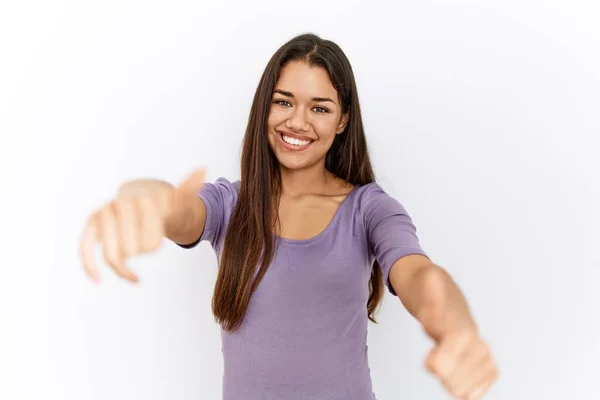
point(219, 199)
point(390, 231)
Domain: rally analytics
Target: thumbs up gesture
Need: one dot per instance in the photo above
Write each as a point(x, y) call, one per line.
point(460, 358)
point(135, 222)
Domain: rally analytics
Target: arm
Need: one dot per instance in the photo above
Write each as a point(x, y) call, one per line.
point(185, 224)
point(181, 211)
point(413, 276)
point(138, 219)
point(460, 358)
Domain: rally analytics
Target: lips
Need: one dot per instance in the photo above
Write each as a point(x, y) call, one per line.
point(294, 135)
point(294, 147)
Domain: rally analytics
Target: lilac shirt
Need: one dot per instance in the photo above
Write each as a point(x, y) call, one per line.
point(304, 336)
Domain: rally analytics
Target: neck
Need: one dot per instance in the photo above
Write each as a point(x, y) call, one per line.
point(310, 180)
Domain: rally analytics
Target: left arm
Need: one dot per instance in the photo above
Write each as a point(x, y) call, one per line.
point(460, 358)
point(412, 277)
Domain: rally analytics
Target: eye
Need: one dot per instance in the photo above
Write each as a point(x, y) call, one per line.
point(283, 103)
point(320, 110)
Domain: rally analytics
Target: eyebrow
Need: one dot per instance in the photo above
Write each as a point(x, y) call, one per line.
point(290, 94)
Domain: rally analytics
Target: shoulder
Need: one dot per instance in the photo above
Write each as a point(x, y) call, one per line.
point(367, 191)
point(224, 184)
point(373, 203)
point(222, 190)
point(370, 195)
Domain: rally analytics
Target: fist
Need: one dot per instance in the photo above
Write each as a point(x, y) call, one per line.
point(134, 222)
point(464, 364)
point(460, 358)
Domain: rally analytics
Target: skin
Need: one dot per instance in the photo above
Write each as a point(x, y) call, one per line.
point(135, 222)
point(306, 104)
point(146, 211)
point(460, 357)
point(294, 109)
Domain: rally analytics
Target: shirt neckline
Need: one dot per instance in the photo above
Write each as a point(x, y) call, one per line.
point(325, 230)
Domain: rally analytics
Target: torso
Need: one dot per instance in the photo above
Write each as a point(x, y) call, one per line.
point(304, 217)
point(305, 331)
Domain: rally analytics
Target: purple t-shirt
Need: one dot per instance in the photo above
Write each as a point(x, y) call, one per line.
point(304, 336)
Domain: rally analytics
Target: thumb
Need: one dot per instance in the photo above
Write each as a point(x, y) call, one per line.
point(186, 189)
point(193, 183)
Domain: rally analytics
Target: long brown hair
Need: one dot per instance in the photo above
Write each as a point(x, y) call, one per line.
point(249, 243)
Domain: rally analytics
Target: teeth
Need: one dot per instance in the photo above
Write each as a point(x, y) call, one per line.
point(295, 141)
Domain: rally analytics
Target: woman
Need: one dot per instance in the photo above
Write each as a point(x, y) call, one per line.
point(307, 241)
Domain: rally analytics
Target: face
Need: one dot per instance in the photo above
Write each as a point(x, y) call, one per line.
point(305, 116)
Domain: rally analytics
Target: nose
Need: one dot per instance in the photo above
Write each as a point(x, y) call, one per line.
point(297, 121)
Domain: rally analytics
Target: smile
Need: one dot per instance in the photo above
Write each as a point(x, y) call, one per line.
point(294, 143)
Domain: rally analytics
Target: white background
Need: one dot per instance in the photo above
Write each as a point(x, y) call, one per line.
point(482, 118)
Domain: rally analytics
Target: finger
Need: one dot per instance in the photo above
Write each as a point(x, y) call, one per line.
point(127, 223)
point(111, 246)
point(484, 384)
point(89, 237)
point(443, 359)
point(151, 226)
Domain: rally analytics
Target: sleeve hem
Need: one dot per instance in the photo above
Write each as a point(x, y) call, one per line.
point(205, 232)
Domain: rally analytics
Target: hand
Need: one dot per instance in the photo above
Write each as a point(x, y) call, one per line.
point(134, 222)
point(460, 358)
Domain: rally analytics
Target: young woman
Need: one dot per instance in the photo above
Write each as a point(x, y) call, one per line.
point(306, 241)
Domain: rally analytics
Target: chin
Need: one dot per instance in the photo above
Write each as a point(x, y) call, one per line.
point(286, 163)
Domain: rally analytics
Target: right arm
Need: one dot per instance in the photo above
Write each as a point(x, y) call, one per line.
point(136, 221)
point(185, 224)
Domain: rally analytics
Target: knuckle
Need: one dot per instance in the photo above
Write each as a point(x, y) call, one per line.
point(480, 352)
point(466, 336)
point(129, 241)
point(430, 362)
point(438, 369)
point(93, 218)
point(115, 205)
point(483, 346)
point(148, 244)
point(444, 360)
point(120, 270)
point(120, 206)
point(454, 389)
point(154, 243)
point(111, 255)
point(448, 384)
point(106, 214)
point(129, 248)
point(111, 258)
point(430, 366)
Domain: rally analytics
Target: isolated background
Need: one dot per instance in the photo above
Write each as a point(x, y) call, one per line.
point(482, 118)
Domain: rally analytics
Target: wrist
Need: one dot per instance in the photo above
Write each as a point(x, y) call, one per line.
point(441, 307)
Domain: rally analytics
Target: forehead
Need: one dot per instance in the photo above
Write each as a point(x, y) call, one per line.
point(305, 80)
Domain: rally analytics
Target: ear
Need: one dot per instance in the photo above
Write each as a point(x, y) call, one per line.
point(343, 123)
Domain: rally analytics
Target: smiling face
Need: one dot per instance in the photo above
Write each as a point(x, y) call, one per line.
point(304, 117)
